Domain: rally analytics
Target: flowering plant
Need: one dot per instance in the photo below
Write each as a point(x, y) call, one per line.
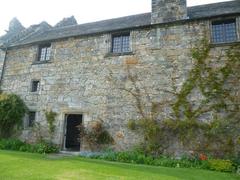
point(203, 157)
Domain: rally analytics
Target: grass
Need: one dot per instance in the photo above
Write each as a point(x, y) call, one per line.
point(22, 166)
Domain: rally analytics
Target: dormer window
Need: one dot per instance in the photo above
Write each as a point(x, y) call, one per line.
point(224, 31)
point(44, 53)
point(121, 43)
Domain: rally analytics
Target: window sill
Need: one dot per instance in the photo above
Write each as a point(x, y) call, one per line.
point(34, 93)
point(41, 62)
point(224, 44)
point(28, 128)
point(111, 54)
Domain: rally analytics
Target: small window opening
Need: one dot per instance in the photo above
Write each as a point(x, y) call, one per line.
point(31, 118)
point(35, 86)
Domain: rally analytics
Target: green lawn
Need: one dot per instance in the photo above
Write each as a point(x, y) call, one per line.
point(16, 165)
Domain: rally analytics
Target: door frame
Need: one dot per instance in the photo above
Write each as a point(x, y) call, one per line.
point(65, 129)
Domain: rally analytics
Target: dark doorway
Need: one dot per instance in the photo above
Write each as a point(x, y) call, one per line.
point(72, 140)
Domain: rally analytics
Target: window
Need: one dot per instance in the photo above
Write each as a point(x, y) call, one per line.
point(35, 86)
point(121, 43)
point(31, 118)
point(44, 53)
point(224, 31)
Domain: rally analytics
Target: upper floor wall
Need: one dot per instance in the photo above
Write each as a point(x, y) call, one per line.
point(219, 30)
point(150, 45)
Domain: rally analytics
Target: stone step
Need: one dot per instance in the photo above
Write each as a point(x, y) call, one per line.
point(69, 153)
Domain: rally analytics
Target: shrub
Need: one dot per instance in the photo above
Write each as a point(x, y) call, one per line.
point(236, 159)
point(166, 162)
point(104, 138)
point(17, 145)
point(45, 147)
point(203, 157)
point(133, 157)
point(184, 162)
point(140, 158)
point(26, 148)
point(12, 111)
point(96, 135)
point(221, 165)
point(11, 144)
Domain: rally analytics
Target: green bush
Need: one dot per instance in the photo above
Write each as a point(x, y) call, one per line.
point(45, 147)
point(184, 162)
point(17, 145)
point(11, 144)
point(140, 158)
point(167, 162)
point(12, 111)
point(26, 148)
point(221, 165)
point(133, 157)
point(236, 162)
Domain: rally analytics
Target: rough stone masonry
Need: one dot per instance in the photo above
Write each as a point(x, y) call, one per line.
point(75, 79)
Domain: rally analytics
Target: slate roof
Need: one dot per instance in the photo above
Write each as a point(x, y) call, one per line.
point(92, 28)
point(12, 38)
point(215, 9)
point(140, 20)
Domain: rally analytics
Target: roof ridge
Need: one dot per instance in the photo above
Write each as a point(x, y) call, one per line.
point(216, 3)
point(93, 22)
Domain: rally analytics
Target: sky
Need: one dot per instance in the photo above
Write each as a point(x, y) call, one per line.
point(30, 12)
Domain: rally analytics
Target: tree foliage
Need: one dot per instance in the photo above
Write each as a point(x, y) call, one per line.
point(12, 111)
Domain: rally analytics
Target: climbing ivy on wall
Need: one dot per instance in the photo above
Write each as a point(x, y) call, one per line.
point(218, 84)
point(51, 118)
point(219, 87)
point(210, 81)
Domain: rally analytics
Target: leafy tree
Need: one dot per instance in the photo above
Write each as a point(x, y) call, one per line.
point(12, 111)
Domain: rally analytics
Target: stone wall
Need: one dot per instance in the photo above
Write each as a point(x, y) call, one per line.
point(78, 79)
point(2, 58)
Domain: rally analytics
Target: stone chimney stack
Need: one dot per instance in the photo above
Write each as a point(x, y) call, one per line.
point(168, 10)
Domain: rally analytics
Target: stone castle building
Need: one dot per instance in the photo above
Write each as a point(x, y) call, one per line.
point(67, 68)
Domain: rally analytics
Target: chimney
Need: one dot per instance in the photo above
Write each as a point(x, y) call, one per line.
point(168, 10)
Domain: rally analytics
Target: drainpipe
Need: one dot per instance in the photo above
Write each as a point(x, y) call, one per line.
point(3, 67)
